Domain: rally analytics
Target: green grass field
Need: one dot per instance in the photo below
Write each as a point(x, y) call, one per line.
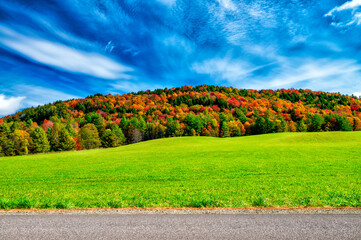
point(288, 169)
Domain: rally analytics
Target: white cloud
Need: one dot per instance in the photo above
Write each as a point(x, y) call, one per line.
point(317, 74)
point(347, 14)
point(357, 94)
point(227, 4)
point(63, 57)
point(244, 17)
point(36, 95)
point(10, 105)
point(225, 69)
point(346, 6)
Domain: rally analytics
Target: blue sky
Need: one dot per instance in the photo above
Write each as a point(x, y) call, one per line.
point(60, 49)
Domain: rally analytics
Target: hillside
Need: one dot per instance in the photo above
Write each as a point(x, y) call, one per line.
point(103, 121)
point(284, 169)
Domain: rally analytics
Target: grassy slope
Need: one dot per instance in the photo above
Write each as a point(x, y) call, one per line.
point(289, 169)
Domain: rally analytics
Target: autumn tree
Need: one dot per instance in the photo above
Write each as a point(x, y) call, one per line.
point(21, 139)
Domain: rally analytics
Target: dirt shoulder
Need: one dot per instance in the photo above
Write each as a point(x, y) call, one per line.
point(250, 210)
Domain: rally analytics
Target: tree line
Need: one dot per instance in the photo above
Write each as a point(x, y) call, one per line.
point(103, 121)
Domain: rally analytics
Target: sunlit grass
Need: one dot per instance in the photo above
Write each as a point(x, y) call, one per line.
point(289, 169)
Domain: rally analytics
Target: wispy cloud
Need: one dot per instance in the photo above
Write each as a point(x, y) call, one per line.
point(126, 86)
point(37, 95)
point(226, 69)
point(227, 4)
point(9, 105)
point(346, 15)
point(86, 46)
point(62, 57)
point(317, 74)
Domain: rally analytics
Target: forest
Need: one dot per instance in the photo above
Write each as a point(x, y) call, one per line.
point(103, 121)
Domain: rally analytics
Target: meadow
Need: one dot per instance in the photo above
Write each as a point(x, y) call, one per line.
point(285, 169)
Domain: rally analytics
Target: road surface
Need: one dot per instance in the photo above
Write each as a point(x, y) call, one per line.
point(181, 226)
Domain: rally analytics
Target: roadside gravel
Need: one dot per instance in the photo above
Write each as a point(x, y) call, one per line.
point(184, 211)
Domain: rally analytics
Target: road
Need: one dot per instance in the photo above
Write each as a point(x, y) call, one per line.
point(181, 226)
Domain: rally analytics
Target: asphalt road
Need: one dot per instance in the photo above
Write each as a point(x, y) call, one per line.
point(180, 226)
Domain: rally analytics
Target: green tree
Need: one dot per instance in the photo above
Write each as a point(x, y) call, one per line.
point(316, 123)
point(193, 122)
point(70, 129)
point(66, 142)
point(224, 129)
point(89, 136)
point(173, 128)
point(281, 125)
point(109, 139)
point(97, 120)
point(240, 115)
point(119, 134)
point(53, 136)
point(40, 141)
point(345, 124)
point(301, 126)
point(269, 126)
point(7, 145)
point(259, 126)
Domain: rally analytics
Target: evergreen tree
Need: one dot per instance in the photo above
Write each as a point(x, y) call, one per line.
point(193, 122)
point(97, 120)
point(151, 131)
point(119, 134)
point(301, 126)
point(316, 123)
point(89, 137)
point(173, 128)
point(224, 129)
point(70, 129)
point(109, 139)
point(345, 125)
point(40, 141)
point(124, 123)
point(240, 115)
point(269, 126)
point(7, 145)
point(53, 136)
point(66, 142)
point(259, 126)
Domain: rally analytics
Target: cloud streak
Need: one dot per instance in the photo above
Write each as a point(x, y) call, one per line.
point(70, 48)
point(63, 57)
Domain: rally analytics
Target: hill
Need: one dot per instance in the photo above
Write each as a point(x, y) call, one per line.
point(283, 169)
point(113, 120)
